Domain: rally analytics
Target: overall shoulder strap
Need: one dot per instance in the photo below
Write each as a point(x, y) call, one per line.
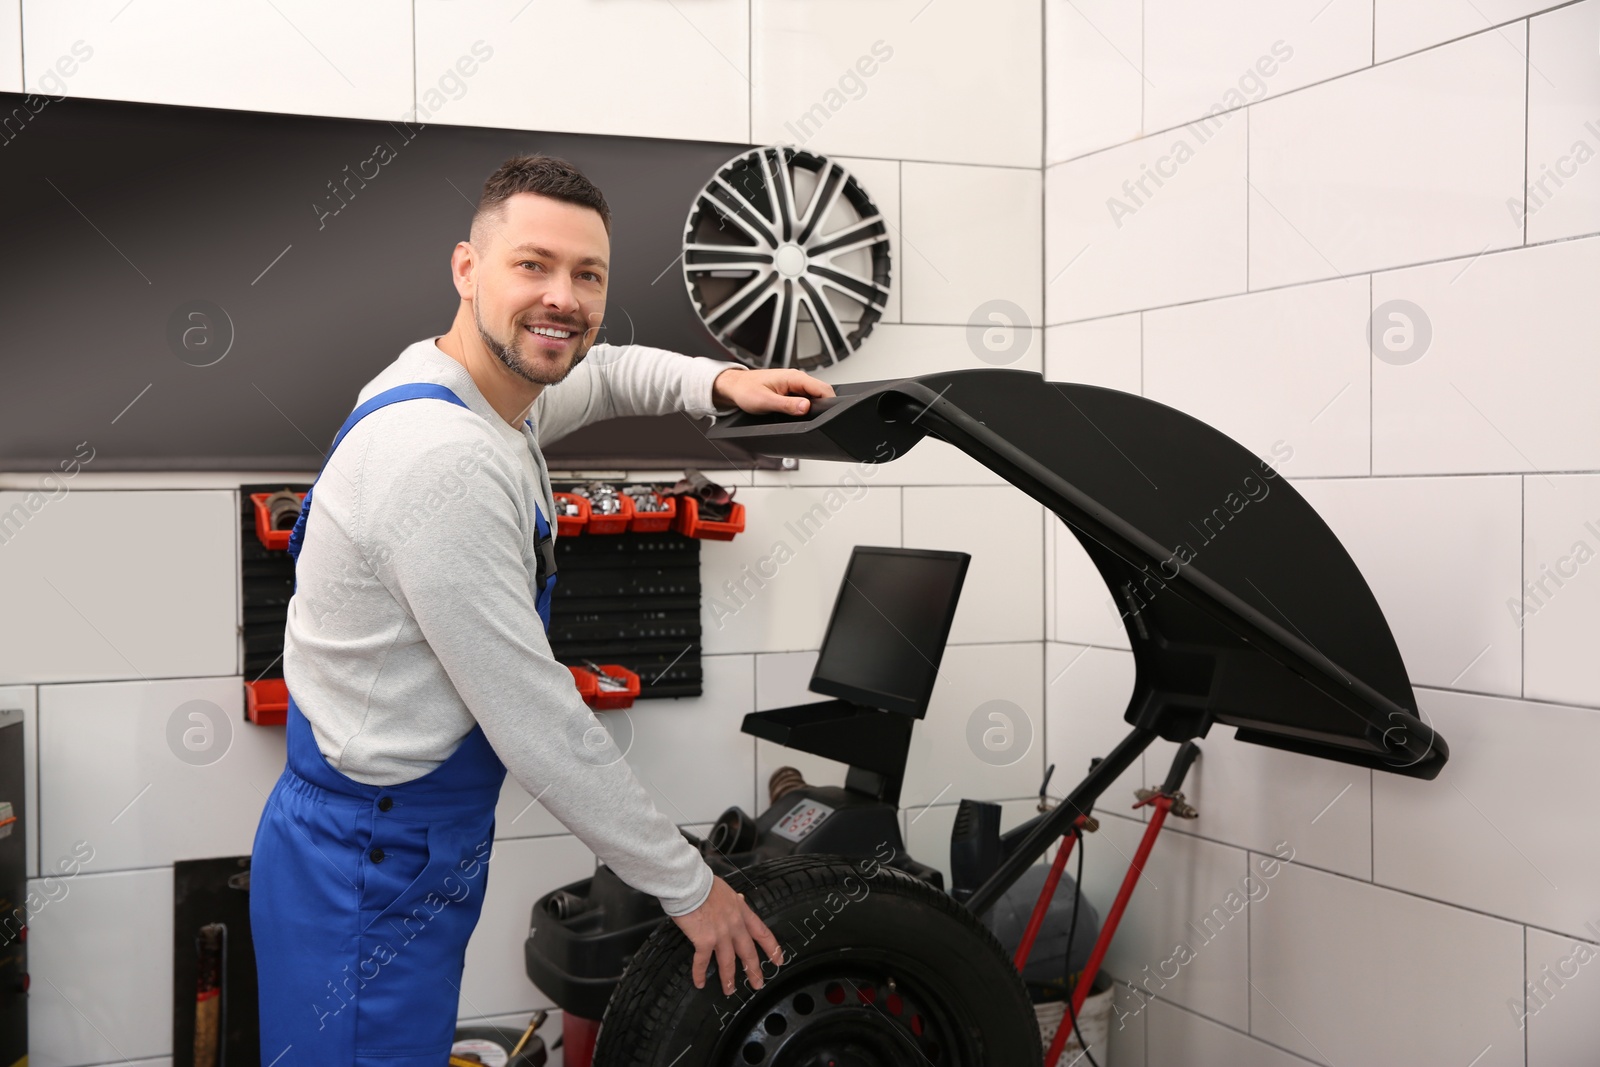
point(409, 391)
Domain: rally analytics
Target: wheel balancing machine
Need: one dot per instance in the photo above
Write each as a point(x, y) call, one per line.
point(1242, 609)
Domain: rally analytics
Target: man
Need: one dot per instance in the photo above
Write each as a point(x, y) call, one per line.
point(417, 659)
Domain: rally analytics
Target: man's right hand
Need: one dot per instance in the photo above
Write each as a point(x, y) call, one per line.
point(725, 926)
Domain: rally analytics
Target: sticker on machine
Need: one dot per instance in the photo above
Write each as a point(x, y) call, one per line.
point(803, 818)
point(480, 1050)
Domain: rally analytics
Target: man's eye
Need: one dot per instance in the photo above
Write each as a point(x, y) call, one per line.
point(591, 275)
point(530, 263)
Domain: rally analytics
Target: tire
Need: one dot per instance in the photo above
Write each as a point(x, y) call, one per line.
point(880, 970)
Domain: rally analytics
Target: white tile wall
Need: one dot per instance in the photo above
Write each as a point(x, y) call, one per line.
point(1346, 972)
point(1496, 831)
point(305, 58)
point(100, 957)
point(818, 529)
point(943, 764)
point(927, 830)
point(781, 681)
point(1288, 366)
point(1563, 1010)
point(1113, 244)
point(1199, 58)
point(1084, 611)
point(1442, 556)
point(1086, 693)
point(1093, 85)
point(158, 600)
point(631, 67)
point(1560, 612)
point(520, 872)
point(943, 86)
point(1176, 902)
point(675, 742)
point(1399, 164)
point(1507, 383)
point(1177, 1036)
point(11, 46)
point(1402, 26)
point(962, 258)
point(1105, 352)
point(110, 773)
point(1563, 194)
point(1002, 598)
point(1259, 798)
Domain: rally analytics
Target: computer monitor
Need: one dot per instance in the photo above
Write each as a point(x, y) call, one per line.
point(889, 625)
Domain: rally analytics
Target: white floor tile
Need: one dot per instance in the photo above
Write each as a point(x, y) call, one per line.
point(1333, 169)
point(1289, 366)
point(1442, 557)
point(1496, 831)
point(1346, 972)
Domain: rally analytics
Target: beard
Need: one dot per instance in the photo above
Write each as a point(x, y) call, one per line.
point(510, 352)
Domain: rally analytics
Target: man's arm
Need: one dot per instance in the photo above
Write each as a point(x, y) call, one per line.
point(467, 586)
point(639, 380)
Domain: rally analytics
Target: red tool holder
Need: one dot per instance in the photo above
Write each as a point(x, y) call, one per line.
point(277, 540)
point(612, 524)
point(613, 700)
point(568, 525)
point(588, 685)
point(654, 521)
point(266, 701)
point(690, 524)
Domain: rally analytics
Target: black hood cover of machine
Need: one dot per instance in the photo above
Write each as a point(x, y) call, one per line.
point(1240, 604)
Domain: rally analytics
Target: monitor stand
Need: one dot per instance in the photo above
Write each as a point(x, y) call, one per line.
point(873, 742)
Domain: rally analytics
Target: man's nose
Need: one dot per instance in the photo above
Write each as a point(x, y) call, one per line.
point(558, 295)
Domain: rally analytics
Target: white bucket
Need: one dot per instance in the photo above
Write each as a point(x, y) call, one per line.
point(1094, 1021)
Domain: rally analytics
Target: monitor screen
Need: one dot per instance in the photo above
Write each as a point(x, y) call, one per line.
point(889, 626)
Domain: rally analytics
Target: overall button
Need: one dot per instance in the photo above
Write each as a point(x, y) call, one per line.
point(385, 803)
point(376, 855)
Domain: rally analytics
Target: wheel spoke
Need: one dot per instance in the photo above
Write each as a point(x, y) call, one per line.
point(826, 322)
point(871, 226)
point(854, 286)
point(734, 303)
point(733, 204)
point(829, 186)
point(780, 340)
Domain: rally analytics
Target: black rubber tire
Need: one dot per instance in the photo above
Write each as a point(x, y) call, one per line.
point(841, 919)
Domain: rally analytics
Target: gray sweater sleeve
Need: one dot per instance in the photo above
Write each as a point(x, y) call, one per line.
point(466, 583)
point(618, 380)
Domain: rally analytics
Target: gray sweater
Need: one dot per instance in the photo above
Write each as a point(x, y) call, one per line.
point(414, 613)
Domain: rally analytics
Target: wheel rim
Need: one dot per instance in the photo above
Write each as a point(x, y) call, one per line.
point(861, 1016)
point(786, 259)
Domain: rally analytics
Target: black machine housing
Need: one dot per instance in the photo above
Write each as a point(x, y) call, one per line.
point(1241, 607)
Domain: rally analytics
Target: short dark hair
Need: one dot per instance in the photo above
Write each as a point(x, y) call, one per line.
point(544, 175)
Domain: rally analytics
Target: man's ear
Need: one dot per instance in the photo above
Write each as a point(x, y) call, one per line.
point(463, 267)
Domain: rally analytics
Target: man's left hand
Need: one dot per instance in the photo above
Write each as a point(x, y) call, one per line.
point(776, 389)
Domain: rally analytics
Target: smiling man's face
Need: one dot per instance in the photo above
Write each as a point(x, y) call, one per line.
point(539, 284)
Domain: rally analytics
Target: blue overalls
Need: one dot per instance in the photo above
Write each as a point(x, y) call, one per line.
point(362, 897)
